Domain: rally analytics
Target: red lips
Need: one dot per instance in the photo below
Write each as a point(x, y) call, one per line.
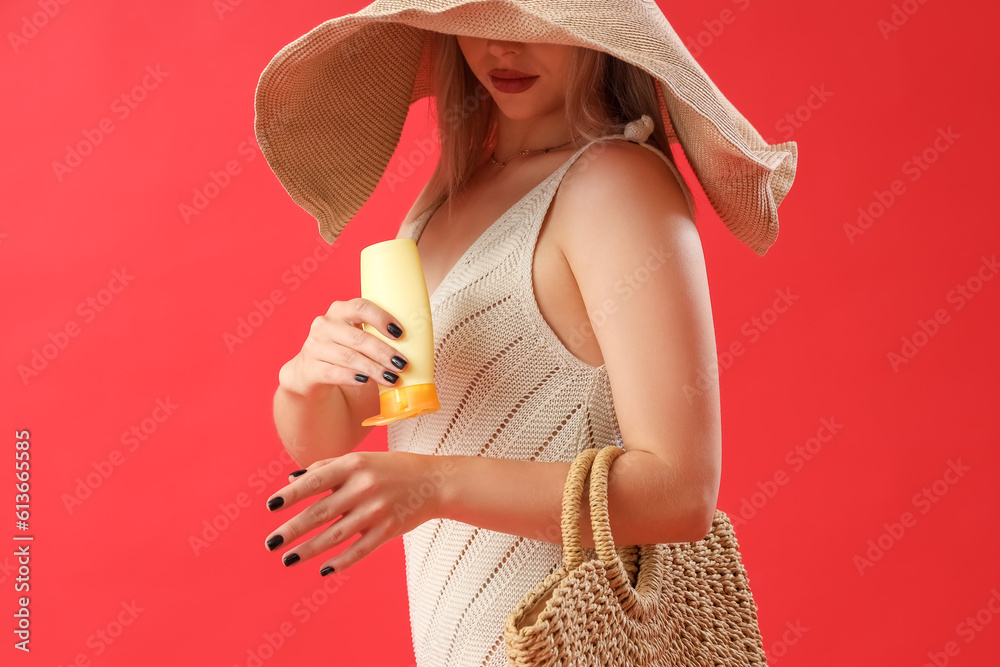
point(510, 74)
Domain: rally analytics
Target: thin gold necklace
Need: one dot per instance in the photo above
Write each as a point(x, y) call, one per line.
point(526, 152)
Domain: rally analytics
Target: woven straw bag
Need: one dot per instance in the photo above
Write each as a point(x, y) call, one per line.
point(678, 604)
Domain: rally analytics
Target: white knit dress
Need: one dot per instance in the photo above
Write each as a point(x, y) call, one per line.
point(508, 388)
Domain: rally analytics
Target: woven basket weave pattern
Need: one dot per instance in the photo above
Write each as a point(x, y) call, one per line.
point(677, 605)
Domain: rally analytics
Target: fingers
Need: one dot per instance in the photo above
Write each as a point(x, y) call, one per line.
point(350, 509)
point(312, 466)
point(369, 521)
point(351, 354)
point(361, 310)
point(339, 353)
point(338, 531)
point(320, 512)
point(324, 475)
point(362, 350)
point(369, 541)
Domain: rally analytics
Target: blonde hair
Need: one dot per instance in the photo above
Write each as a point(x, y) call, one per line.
point(603, 94)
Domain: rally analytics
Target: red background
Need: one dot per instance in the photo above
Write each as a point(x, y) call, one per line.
point(884, 99)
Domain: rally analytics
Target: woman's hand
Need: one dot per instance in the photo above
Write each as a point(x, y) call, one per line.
point(338, 351)
point(380, 495)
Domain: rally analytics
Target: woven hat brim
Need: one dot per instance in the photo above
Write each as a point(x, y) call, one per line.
point(330, 106)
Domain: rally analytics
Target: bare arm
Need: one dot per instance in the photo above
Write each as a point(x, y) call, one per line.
point(325, 422)
point(328, 388)
point(646, 500)
point(659, 348)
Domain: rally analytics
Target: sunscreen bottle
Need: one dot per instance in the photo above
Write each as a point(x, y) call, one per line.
point(393, 278)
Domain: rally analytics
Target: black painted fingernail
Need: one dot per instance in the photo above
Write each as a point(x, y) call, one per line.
point(398, 362)
point(326, 570)
point(275, 503)
point(274, 542)
point(290, 559)
point(361, 377)
point(391, 377)
point(394, 330)
point(298, 472)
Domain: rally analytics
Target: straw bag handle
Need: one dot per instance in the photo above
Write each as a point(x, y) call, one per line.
point(597, 461)
point(572, 498)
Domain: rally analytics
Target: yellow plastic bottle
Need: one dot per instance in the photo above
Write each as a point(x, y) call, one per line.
point(393, 278)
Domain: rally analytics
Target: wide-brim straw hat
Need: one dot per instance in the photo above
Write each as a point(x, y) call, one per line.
point(330, 106)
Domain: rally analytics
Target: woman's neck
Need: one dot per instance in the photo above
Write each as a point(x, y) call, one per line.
point(514, 135)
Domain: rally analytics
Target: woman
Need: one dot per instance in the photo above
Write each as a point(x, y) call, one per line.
point(570, 310)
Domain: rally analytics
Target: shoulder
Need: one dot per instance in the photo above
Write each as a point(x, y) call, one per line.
point(621, 195)
point(611, 170)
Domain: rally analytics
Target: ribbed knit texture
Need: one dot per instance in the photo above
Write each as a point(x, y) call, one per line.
point(510, 389)
point(329, 108)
